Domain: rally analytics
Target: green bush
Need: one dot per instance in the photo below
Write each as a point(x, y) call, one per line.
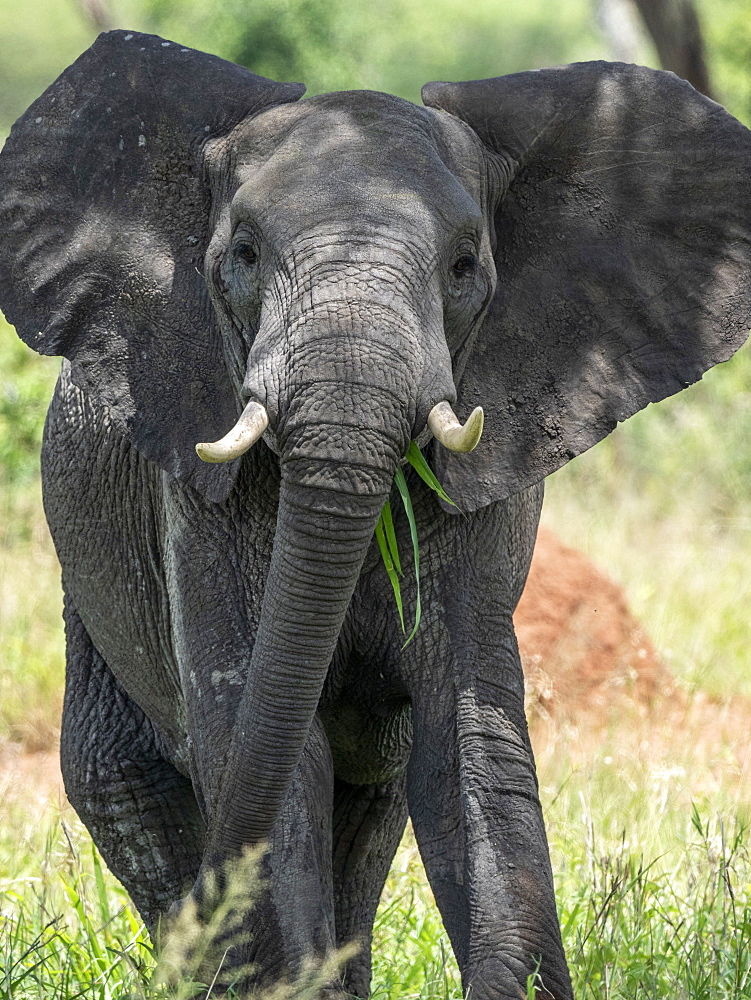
point(26, 383)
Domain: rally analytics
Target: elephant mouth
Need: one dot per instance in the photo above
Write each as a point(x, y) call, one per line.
point(443, 423)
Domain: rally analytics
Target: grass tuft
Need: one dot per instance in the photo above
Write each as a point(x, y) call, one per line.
point(386, 536)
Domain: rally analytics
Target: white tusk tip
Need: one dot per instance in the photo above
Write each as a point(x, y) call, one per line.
point(249, 427)
point(446, 428)
point(207, 454)
point(473, 429)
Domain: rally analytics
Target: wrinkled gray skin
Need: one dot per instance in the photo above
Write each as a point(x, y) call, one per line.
point(235, 671)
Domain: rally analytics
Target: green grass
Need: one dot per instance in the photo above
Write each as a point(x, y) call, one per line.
point(647, 911)
point(675, 926)
point(31, 637)
point(66, 927)
point(31, 643)
point(654, 889)
point(386, 535)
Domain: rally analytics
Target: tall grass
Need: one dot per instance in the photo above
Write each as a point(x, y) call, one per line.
point(651, 911)
point(31, 642)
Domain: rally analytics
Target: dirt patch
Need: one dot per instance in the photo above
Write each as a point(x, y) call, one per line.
point(582, 650)
point(598, 691)
point(31, 778)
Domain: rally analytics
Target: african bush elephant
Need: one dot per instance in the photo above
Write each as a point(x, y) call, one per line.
point(301, 289)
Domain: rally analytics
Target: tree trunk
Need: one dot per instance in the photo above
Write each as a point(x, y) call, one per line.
point(676, 32)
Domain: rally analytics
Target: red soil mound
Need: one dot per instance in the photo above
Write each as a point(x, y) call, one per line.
point(582, 649)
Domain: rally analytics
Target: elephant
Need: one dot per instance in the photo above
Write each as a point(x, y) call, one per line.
point(261, 302)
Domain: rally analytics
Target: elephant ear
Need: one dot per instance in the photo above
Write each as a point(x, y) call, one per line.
point(623, 257)
point(104, 214)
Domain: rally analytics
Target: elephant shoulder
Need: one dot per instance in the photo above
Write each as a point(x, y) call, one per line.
point(93, 480)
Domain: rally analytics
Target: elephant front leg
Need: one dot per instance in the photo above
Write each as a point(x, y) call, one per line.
point(141, 812)
point(473, 798)
point(368, 823)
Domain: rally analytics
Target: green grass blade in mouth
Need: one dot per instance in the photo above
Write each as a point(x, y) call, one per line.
point(419, 463)
point(388, 562)
point(387, 522)
point(401, 485)
point(386, 535)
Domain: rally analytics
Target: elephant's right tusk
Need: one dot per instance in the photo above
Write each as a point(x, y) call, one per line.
point(446, 428)
point(250, 425)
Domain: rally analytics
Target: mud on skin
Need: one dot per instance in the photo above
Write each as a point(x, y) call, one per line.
point(558, 247)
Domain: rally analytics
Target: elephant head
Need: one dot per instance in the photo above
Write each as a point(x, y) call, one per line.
point(221, 263)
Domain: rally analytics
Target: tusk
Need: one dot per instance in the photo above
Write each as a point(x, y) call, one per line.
point(250, 425)
point(445, 426)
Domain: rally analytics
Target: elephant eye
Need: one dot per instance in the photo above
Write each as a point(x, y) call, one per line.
point(245, 252)
point(465, 264)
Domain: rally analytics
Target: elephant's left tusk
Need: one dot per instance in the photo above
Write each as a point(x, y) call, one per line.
point(446, 428)
point(250, 425)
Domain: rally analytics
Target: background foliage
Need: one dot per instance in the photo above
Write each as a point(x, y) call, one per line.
point(393, 45)
point(648, 832)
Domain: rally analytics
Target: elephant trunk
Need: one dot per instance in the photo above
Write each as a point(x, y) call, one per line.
point(322, 537)
point(341, 434)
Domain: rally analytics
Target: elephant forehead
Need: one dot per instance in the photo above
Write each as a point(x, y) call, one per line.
point(348, 151)
point(330, 123)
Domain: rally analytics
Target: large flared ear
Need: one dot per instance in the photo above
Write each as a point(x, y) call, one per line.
point(623, 256)
point(104, 214)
